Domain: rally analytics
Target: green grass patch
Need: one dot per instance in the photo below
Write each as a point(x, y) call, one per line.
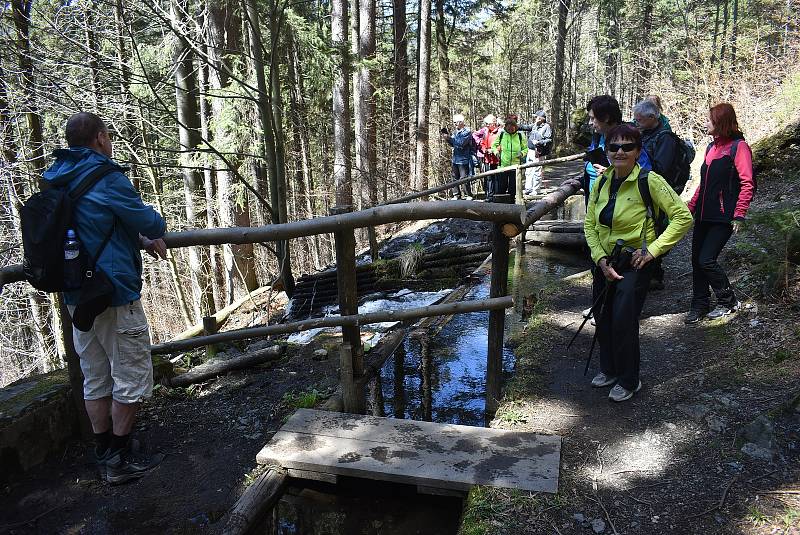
point(302, 400)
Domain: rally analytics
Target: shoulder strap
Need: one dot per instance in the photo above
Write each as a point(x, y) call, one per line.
point(734, 146)
point(708, 148)
point(599, 186)
point(501, 137)
point(90, 180)
point(644, 191)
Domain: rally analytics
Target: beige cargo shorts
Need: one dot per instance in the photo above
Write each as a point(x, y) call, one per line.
point(115, 355)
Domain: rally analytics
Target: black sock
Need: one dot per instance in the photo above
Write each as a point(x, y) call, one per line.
point(102, 441)
point(119, 442)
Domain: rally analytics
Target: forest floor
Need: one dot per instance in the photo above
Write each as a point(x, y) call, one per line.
point(711, 443)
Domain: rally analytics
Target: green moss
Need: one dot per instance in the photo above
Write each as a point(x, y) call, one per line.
point(44, 384)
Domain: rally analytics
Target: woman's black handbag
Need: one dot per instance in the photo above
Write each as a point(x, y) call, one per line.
point(95, 293)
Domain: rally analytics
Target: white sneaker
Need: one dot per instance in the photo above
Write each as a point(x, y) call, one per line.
point(618, 393)
point(468, 198)
point(586, 313)
point(723, 310)
point(602, 379)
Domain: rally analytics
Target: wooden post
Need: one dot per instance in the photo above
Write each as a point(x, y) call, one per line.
point(350, 399)
point(520, 178)
point(519, 298)
point(348, 303)
point(74, 370)
point(210, 327)
point(499, 287)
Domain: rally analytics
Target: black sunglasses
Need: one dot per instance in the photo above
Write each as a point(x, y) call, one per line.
point(626, 147)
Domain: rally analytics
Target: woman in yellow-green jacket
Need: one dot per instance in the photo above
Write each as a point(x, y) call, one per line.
point(510, 146)
point(617, 211)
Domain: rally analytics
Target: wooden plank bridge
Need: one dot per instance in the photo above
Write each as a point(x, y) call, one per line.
point(435, 457)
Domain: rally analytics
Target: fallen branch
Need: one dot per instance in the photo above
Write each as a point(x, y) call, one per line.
point(608, 517)
point(221, 315)
point(210, 370)
point(721, 500)
point(256, 502)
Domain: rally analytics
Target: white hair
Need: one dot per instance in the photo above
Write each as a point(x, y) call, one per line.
point(646, 108)
point(458, 118)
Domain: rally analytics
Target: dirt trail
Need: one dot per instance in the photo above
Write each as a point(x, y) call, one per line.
point(671, 459)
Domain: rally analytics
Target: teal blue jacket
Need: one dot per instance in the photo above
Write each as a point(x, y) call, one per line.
point(112, 202)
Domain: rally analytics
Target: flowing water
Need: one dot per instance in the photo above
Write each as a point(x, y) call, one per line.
point(437, 377)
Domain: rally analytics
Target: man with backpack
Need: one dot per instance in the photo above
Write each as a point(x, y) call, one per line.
point(540, 143)
point(112, 224)
point(669, 156)
point(463, 150)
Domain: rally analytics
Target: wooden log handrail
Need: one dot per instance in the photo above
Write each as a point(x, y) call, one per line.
point(515, 217)
point(477, 176)
point(353, 320)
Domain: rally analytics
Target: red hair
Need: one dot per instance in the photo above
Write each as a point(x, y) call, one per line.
point(723, 117)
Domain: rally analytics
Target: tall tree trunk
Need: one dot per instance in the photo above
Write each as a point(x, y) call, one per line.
point(366, 137)
point(91, 47)
point(445, 109)
point(342, 176)
point(734, 32)
point(724, 37)
point(188, 115)
point(297, 108)
point(33, 155)
point(224, 26)
point(558, 72)
point(279, 200)
point(209, 175)
point(127, 128)
point(400, 100)
point(423, 95)
point(355, 31)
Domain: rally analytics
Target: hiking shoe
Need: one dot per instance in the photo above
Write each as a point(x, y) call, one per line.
point(602, 379)
point(724, 310)
point(587, 313)
point(125, 465)
point(619, 393)
point(694, 315)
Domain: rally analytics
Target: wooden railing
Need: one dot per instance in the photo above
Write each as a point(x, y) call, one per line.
point(508, 220)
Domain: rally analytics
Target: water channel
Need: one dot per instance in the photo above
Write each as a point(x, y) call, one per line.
point(440, 378)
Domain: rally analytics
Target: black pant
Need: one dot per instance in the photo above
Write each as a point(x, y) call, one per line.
point(461, 170)
point(503, 183)
point(618, 323)
point(707, 242)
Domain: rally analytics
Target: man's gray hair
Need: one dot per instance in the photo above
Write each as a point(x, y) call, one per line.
point(647, 109)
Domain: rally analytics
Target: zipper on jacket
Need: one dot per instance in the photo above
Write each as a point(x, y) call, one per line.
point(721, 203)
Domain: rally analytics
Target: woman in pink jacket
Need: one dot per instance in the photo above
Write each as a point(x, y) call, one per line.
point(719, 206)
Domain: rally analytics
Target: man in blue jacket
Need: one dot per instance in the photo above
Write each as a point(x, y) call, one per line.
point(463, 150)
point(115, 352)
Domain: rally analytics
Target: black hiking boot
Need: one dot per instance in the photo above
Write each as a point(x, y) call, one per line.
point(126, 465)
point(695, 315)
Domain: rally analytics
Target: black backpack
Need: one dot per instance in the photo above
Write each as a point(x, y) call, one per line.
point(45, 219)
point(681, 171)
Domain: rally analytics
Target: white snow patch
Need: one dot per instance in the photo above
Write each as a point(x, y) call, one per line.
point(400, 300)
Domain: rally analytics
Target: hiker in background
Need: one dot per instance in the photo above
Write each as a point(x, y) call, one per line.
point(604, 114)
point(655, 99)
point(540, 143)
point(662, 148)
point(483, 140)
point(463, 149)
point(617, 210)
point(719, 205)
point(510, 146)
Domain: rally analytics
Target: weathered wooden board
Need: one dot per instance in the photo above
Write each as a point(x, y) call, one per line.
point(444, 456)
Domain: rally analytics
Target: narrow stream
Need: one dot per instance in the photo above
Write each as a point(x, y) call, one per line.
point(437, 377)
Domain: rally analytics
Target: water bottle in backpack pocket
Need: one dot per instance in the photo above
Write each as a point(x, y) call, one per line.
point(73, 262)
